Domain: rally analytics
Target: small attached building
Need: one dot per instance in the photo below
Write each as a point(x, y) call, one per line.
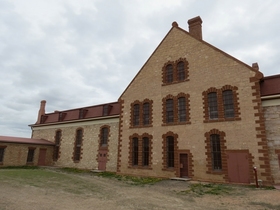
point(16, 151)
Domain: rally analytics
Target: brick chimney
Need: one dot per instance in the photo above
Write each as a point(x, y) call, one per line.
point(41, 111)
point(195, 28)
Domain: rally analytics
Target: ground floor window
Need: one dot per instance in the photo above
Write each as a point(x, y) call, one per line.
point(30, 155)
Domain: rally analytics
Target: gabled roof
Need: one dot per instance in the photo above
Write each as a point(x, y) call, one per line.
point(20, 140)
point(176, 27)
point(270, 85)
point(81, 114)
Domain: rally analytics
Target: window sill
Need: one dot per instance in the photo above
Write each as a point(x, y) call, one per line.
point(174, 82)
point(141, 126)
point(176, 123)
point(140, 167)
point(222, 120)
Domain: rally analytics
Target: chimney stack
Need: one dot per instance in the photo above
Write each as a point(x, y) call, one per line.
point(41, 111)
point(195, 28)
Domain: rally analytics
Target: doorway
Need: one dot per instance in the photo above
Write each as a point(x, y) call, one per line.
point(42, 157)
point(102, 160)
point(184, 168)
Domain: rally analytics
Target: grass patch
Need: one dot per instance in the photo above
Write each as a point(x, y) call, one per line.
point(130, 179)
point(74, 170)
point(48, 179)
point(19, 167)
point(210, 189)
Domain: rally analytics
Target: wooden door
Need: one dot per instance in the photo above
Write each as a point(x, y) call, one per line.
point(184, 165)
point(238, 167)
point(42, 157)
point(102, 160)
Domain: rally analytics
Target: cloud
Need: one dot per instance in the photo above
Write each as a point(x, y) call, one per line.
point(75, 54)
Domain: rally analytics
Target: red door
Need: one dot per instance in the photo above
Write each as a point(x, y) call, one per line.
point(42, 157)
point(238, 167)
point(184, 165)
point(102, 160)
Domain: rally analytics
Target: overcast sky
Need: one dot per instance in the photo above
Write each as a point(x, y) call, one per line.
point(82, 53)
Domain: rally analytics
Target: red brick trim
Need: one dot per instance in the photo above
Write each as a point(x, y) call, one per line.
point(219, 92)
point(175, 109)
point(175, 78)
point(260, 130)
point(121, 102)
point(140, 148)
point(141, 124)
point(74, 148)
point(164, 152)
point(190, 163)
point(223, 146)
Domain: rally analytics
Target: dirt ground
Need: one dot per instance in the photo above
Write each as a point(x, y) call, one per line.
point(106, 193)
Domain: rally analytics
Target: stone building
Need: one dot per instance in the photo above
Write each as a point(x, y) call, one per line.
point(84, 138)
point(209, 117)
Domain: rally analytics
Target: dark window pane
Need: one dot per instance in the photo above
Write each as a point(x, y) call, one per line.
point(57, 145)
point(2, 154)
point(30, 155)
point(182, 109)
point(146, 113)
point(78, 144)
point(135, 151)
point(169, 73)
point(146, 150)
point(181, 71)
point(169, 111)
point(104, 136)
point(228, 103)
point(213, 105)
point(136, 113)
point(170, 151)
point(216, 152)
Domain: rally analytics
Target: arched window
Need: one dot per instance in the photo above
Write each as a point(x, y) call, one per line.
point(135, 151)
point(104, 136)
point(136, 114)
point(182, 117)
point(78, 145)
point(145, 151)
point(57, 145)
point(169, 111)
point(170, 151)
point(169, 73)
point(216, 152)
point(213, 105)
point(228, 103)
point(181, 71)
point(146, 114)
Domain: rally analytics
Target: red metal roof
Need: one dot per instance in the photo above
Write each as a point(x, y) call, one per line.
point(270, 85)
point(74, 114)
point(20, 140)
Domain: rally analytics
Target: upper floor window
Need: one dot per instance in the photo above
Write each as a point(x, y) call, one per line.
point(175, 109)
point(136, 114)
point(141, 113)
point(175, 71)
point(182, 112)
point(146, 114)
point(169, 111)
point(169, 73)
point(213, 105)
point(228, 103)
point(181, 73)
point(106, 109)
point(221, 104)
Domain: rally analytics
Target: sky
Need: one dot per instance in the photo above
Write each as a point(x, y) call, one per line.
point(82, 53)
